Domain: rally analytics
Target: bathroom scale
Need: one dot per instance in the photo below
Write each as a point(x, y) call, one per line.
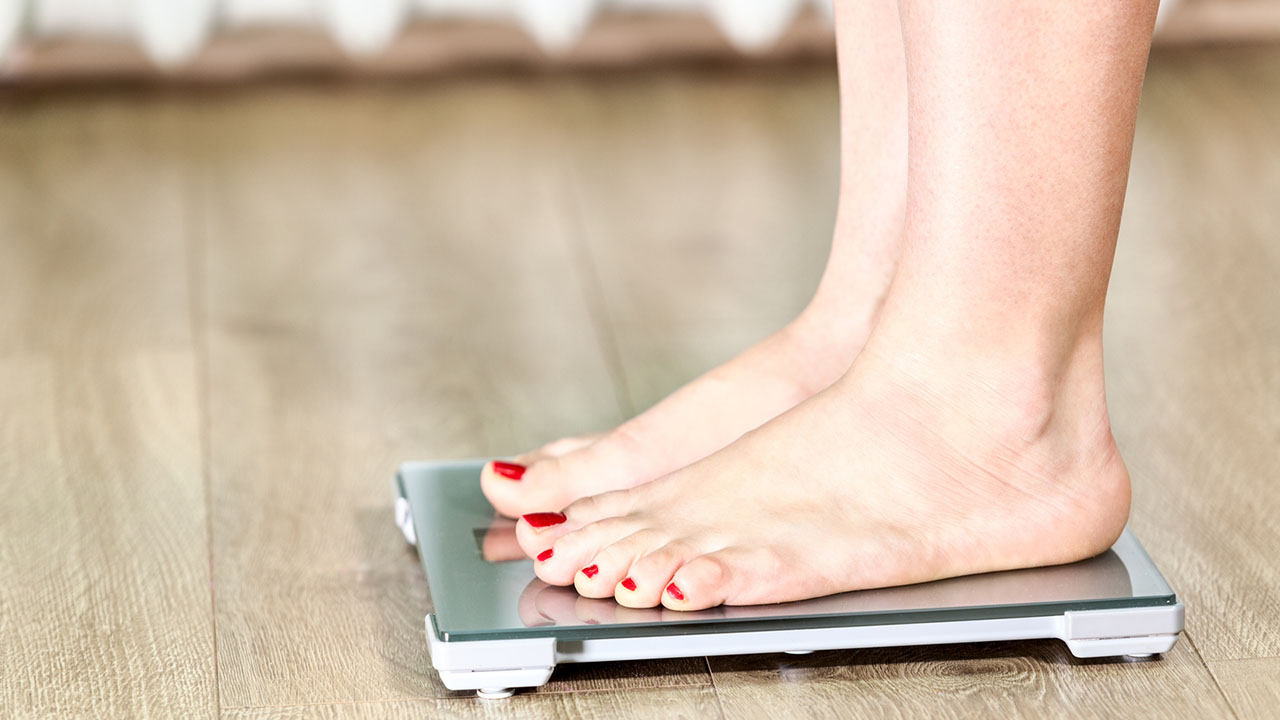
point(496, 627)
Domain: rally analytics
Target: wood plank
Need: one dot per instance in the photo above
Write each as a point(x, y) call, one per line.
point(91, 193)
point(103, 564)
point(389, 279)
point(1028, 679)
point(669, 702)
point(707, 202)
point(1252, 686)
point(104, 596)
point(1193, 340)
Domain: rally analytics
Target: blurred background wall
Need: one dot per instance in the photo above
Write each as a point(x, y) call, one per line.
point(62, 40)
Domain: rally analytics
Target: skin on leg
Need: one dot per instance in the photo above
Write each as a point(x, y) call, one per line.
point(801, 359)
point(1021, 123)
point(971, 434)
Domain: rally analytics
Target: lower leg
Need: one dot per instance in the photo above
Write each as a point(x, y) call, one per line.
point(873, 172)
point(971, 433)
point(1021, 123)
point(804, 357)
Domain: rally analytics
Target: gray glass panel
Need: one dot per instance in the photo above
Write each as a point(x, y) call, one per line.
point(482, 587)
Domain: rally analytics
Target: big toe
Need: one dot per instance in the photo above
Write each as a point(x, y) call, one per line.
point(514, 488)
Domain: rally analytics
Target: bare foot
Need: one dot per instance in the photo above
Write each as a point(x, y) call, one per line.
point(693, 422)
point(912, 467)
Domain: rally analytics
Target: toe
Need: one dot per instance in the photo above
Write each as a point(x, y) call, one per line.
point(515, 488)
point(559, 561)
point(536, 534)
point(503, 483)
point(500, 479)
point(603, 505)
point(538, 531)
point(607, 574)
point(651, 574)
point(740, 576)
point(551, 483)
point(589, 584)
point(703, 582)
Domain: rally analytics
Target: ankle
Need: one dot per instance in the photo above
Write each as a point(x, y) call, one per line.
point(835, 325)
point(822, 347)
point(1016, 392)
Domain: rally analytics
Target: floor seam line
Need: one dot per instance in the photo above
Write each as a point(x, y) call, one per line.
point(715, 688)
point(1245, 659)
point(1212, 676)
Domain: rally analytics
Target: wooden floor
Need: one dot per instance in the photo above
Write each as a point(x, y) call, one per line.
point(225, 316)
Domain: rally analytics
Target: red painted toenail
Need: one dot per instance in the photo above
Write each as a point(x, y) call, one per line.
point(546, 554)
point(629, 584)
point(511, 471)
point(674, 592)
point(541, 520)
point(591, 570)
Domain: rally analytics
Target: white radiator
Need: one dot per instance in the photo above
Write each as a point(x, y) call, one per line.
point(171, 31)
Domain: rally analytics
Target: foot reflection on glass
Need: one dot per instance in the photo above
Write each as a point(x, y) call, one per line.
point(499, 543)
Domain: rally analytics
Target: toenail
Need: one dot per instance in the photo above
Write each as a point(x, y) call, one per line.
point(629, 584)
point(674, 592)
point(546, 555)
point(509, 470)
point(544, 519)
point(591, 570)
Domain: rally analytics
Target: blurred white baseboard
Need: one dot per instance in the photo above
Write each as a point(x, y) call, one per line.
point(172, 31)
point(57, 40)
point(422, 46)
